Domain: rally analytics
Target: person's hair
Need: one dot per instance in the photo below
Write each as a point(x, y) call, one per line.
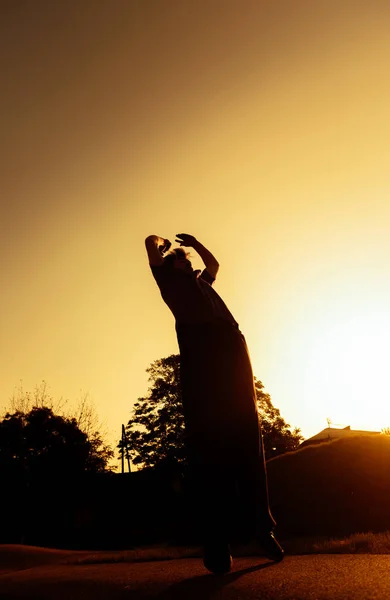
point(172, 255)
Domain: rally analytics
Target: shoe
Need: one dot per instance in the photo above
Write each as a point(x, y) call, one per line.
point(217, 558)
point(270, 546)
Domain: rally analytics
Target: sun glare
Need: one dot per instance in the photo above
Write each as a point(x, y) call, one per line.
point(349, 364)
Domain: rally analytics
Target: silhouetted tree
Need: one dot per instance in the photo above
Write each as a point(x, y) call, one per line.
point(83, 416)
point(278, 437)
point(156, 430)
point(39, 443)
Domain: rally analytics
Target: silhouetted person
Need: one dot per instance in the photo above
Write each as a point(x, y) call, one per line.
point(223, 437)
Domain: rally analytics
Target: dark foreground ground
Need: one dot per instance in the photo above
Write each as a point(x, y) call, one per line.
point(314, 577)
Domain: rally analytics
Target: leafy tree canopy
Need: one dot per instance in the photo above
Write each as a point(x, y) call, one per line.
point(156, 430)
point(36, 441)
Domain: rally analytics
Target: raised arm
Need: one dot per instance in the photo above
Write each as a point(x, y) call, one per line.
point(211, 263)
point(155, 247)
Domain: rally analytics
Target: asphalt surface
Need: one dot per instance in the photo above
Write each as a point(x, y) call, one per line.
point(314, 577)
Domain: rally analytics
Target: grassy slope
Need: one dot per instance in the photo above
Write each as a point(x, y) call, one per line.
point(332, 489)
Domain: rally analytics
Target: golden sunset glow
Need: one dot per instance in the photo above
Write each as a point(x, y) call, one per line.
point(263, 129)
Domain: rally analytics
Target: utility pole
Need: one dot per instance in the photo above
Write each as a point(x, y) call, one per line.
point(124, 449)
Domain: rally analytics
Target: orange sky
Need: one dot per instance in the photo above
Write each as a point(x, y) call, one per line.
point(262, 128)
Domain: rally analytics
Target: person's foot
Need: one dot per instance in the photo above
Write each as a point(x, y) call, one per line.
point(217, 558)
point(270, 546)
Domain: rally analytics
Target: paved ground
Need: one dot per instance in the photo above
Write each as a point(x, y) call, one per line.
point(314, 577)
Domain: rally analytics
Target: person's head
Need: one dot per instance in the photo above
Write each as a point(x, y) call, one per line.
point(178, 259)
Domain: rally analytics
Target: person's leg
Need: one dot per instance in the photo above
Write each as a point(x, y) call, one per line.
point(249, 451)
point(255, 511)
point(253, 494)
point(201, 371)
point(253, 488)
point(211, 502)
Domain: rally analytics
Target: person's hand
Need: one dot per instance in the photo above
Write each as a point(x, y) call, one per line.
point(184, 239)
point(164, 247)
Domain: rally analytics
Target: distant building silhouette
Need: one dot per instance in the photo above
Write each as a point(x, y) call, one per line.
point(332, 433)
